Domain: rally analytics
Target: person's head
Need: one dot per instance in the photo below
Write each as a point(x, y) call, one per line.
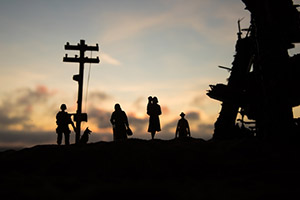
point(117, 107)
point(149, 98)
point(182, 115)
point(63, 107)
point(155, 100)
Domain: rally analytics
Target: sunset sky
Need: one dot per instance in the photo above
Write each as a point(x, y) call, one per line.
point(164, 48)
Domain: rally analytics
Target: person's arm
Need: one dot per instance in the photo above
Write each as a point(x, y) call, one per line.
point(126, 120)
point(177, 130)
point(71, 122)
point(149, 109)
point(159, 110)
point(112, 119)
point(73, 125)
point(188, 129)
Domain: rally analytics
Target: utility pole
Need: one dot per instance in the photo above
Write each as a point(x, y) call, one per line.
point(81, 47)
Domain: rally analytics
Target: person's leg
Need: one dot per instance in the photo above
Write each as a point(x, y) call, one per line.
point(152, 134)
point(67, 138)
point(59, 138)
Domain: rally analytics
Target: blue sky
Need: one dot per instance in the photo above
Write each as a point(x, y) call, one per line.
point(165, 48)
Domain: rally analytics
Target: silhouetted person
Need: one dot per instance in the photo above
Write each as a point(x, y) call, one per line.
point(63, 119)
point(183, 128)
point(153, 110)
point(120, 124)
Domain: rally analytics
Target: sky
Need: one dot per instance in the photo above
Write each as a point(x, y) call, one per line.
point(164, 48)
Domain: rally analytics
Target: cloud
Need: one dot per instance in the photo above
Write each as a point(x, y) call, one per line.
point(20, 139)
point(171, 126)
point(139, 124)
point(199, 100)
point(31, 96)
point(165, 110)
point(107, 59)
point(96, 137)
point(100, 117)
point(19, 106)
point(27, 137)
point(205, 131)
point(6, 120)
point(193, 115)
point(140, 104)
point(99, 96)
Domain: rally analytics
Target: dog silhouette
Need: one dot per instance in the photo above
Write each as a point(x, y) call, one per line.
point(85, 136)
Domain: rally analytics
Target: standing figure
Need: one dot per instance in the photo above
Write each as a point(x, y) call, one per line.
point(63, 119)
point(120, 124)
point(153, 111)
point(183, 128)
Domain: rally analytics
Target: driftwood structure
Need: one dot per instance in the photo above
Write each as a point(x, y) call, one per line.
point(264, 81)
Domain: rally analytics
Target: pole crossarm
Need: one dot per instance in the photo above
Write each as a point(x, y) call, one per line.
point(78, 60)
point(81, 47)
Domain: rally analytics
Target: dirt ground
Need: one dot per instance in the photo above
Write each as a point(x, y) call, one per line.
point(141, 169)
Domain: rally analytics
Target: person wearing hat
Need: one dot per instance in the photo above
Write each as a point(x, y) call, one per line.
point(183, 128)
point(63, 119)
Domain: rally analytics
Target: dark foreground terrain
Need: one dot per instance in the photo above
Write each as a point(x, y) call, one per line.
point(139, 169)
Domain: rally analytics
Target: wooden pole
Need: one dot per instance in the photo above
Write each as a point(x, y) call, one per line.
point(82, 47)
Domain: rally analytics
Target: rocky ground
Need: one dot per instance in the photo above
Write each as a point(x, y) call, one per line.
point(141, 169)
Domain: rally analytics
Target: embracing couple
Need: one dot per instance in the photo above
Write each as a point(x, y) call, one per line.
point(153, 110)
